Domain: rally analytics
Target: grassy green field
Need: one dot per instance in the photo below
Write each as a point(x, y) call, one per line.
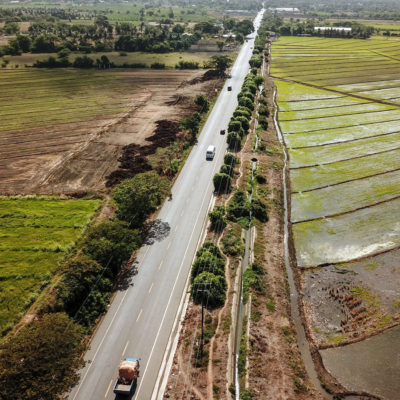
point(35, 235)
point(32, 98)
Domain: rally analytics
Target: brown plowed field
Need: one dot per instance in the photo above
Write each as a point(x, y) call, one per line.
point(77, 156)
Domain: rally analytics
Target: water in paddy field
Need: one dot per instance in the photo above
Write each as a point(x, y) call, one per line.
point(371, 365)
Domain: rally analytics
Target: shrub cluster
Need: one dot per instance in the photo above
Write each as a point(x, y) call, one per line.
point(208, 277)
point(252, 279)
point(187, 65)
point(240, 209)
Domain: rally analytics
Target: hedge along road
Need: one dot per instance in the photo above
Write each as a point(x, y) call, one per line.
point(140, 320)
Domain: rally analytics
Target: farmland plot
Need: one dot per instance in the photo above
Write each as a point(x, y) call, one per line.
point(35, 235)
point(64, 130)
point(339, 105)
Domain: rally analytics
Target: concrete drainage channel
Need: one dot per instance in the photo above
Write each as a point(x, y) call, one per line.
point(241, 308)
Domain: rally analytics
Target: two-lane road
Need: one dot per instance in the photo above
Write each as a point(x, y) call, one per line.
point(140, 319)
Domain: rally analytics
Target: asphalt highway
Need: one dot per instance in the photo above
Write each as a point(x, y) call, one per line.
point(140, 322)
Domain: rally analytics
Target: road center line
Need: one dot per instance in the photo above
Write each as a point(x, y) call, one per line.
point(109, 385)
point(140, 313)
point(151, 287)
point(126, 346)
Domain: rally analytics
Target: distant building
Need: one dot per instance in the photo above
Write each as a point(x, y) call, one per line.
point(332, 28)
point(285, 9)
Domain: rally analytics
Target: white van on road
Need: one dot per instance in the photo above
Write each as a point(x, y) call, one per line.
point(210, 152)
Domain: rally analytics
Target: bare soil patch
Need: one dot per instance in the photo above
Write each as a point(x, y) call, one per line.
point(80, 156)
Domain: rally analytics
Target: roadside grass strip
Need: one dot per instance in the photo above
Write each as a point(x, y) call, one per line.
point(321, 155)
point(373, 230)
point(35, 234)
point(311, 178)
point(345, 197)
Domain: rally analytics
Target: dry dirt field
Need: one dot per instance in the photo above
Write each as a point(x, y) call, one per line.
point(65, 157)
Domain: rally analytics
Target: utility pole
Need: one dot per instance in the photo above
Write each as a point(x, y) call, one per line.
point(202, 288)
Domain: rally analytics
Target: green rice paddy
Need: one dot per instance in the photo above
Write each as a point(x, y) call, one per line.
point(35, 235)
point(343, 143)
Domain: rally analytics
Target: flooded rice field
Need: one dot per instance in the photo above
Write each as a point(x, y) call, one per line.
point(346, 197)
point(347, 237)
point(341, 125)
point(368, 365)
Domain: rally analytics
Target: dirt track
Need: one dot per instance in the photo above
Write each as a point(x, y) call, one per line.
point(78, 157)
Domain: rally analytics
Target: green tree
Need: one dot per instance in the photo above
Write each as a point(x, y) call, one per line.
point(11, 28)
point(258, 80)
point(24, 43)
point(227, 169)
point(246, 102)
point(201, 101)
point(208, 262)
point(41, 360)
point(222, 183)
point(178, 28)
point(44, 44)
point(220, 45)
point(81, 276)
point(221, 63)
point(191, 124)
point(230, 159)
point(139, 196)
point(215, 295)
point(234, 141)
point(83, 62)
point(211, 247)
point(244, 121)
point(217, 219)
point(111, 243)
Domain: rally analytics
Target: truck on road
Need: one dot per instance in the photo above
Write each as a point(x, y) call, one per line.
point(127, 376)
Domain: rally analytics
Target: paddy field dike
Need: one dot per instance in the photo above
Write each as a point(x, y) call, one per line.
point(339, 111)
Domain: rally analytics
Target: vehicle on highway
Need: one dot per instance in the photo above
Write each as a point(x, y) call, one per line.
point(229, 76)
point(127, 376)
point(222, 131)
point(229, 88)
point(210, 152)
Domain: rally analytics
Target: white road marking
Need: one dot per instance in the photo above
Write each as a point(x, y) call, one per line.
point(140, 313)
point(176, 228)
point(151, 287)
point(109, 385)
point(169, 244)
point(126, 346)
point(161, 263)
point(183, 212)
